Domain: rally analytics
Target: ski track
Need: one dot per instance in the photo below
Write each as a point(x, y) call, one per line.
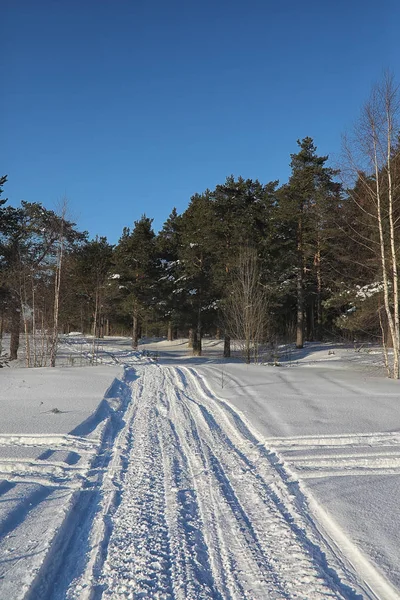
point(174, 496)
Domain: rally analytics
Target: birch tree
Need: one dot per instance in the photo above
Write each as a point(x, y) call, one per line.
point(59, 256)
point(372, 157)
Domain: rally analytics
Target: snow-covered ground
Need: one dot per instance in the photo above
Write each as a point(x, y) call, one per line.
point(173, 477)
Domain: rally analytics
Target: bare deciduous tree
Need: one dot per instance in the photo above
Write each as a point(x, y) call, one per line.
point(57, 283)
point(245, 310)
point(372, 157)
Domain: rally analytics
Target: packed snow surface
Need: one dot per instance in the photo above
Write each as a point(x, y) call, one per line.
point(156, 475)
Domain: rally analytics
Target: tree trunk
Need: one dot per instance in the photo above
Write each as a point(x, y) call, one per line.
point(94, 330)
point(35, 360)
point(317, 263)
point(227, 346)
point(82, 321)
point(393, 250)
point(386, 282)
point(384, 342)
point(135, 332)
point(27, 341)
point(15, 330)
point(101, 327)
point(300, 310)
point(310, 321)
point(300, 287)
point(196, 344)
point(247, 354)
point(191, 338)
point(170, 334)
point(197, 336)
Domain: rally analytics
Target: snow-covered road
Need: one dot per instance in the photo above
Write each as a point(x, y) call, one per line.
point(204, 513)
point(206, 510)
point(172, 491)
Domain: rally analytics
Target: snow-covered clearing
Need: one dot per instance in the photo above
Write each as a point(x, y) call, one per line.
point(197, 478)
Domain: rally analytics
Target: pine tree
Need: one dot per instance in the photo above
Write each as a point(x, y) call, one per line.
point(90, 267)
point(304, 208)
point(196, 258)
point(243, 222)
point(169, 292)
point(135, 265)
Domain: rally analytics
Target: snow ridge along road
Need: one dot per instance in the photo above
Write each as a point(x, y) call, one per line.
point(205, 510)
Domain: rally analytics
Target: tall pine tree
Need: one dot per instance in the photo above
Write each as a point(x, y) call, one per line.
point(135, 271)
point(304, 208)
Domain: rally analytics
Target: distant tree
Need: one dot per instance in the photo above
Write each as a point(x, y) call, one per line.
point(135, 270)
point(196, 259)
point(168, 290)
point(60, 243)
point(3, 180)
point(246, 304)
point(90, 271)
point(304, 207)
point(373, 161)
point(29, 243)
point(243, 219)
point(3, 292)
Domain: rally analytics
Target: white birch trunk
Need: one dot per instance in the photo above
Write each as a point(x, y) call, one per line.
point(57, 285)
point(396, 339)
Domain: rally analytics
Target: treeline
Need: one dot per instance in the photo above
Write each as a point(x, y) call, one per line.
point(312, 259)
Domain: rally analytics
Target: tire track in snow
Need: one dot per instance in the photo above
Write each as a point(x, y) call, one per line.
point(288, 570)
point(157, 547)
point(191, 563)
point(363, 454)
point(50, 441)
point(229, 537)
point(196, 519)
point(85, 586)
point(190, 505)
point(337, 440)
point(193, 521)
point(323, 534)
point(68, 548)
point(35, 498)
point(138, 557)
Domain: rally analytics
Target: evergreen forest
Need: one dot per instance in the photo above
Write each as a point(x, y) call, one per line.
point(260, 263)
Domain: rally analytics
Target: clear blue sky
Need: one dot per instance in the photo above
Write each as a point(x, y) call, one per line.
point(131, 106)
